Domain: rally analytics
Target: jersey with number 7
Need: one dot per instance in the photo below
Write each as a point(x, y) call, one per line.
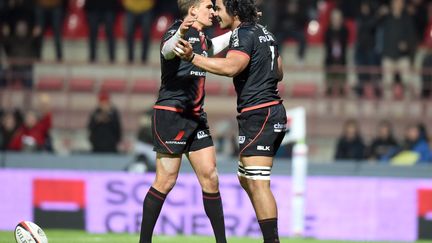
point(257, 83)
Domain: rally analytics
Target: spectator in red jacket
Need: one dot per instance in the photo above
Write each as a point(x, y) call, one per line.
point(33, 134)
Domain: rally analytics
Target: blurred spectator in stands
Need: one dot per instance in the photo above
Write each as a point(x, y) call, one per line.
point(426, 72)
point(336, 41)
point(415, 148)
point(423, 132)
point(3, 10)
point(14, 11)
point(399, 41)
point(101, 12)
point(366, 56)
point(21, 49)
point(144, 145)
point(268, 18)
point(350, 144)
point(418, 10)
point(167, 7)
point(34, 133)
point(292, 16)
point(18, 10)
point(2, 25)
point(50, 13)
point(104, 126)
point(8, 127)
point(349, 8)
point(138, 13)
point(383, 144)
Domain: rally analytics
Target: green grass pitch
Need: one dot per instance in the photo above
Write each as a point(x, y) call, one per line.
point(67, 236)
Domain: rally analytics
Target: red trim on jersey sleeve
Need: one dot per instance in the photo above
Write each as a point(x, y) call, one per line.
point(239, 52)
point(167, 108)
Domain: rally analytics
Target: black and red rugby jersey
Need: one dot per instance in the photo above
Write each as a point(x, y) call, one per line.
point(257, 84)
point(182, 86)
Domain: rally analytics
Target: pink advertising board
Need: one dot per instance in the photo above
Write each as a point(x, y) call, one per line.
point(343, 208)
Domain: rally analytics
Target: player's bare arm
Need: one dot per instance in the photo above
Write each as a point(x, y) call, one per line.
point(280, 68)
point(233, 64)
point(169, 45)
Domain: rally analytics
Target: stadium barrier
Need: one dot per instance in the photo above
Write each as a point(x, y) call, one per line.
point(340, 208)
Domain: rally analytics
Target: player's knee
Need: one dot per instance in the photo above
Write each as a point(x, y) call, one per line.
point(166, 184)
point(209, 179)
point(257, 186)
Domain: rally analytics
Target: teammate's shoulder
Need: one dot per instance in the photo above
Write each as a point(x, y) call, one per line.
point(247, 28)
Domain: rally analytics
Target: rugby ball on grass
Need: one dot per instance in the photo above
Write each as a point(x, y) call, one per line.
point(29, 232)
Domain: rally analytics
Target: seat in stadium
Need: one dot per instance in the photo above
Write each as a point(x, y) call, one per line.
point(304, 90)
point(113, 85)
point(81, 85)
point(145, 86)
point(49, 83)
point(369, 91)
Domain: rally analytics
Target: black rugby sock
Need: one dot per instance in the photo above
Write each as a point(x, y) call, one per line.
point(214, 211)
point(269, 230)
point(152, 207)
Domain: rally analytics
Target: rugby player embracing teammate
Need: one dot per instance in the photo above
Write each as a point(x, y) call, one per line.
point(254, 63)
point(179, 124)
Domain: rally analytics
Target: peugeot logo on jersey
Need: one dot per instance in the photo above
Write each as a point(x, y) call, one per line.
point(241, 139)
point(197, 73)
point(202, 134)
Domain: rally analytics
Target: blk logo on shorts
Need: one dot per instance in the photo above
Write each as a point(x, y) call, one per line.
point(263, 148)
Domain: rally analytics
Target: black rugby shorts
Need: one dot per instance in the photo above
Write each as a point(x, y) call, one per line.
point(261, 131)
point(178, 133)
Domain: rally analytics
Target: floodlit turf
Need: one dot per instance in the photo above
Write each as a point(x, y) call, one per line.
point(66, 236)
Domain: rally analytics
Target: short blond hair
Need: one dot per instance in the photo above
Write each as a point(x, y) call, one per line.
point(184, 6)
